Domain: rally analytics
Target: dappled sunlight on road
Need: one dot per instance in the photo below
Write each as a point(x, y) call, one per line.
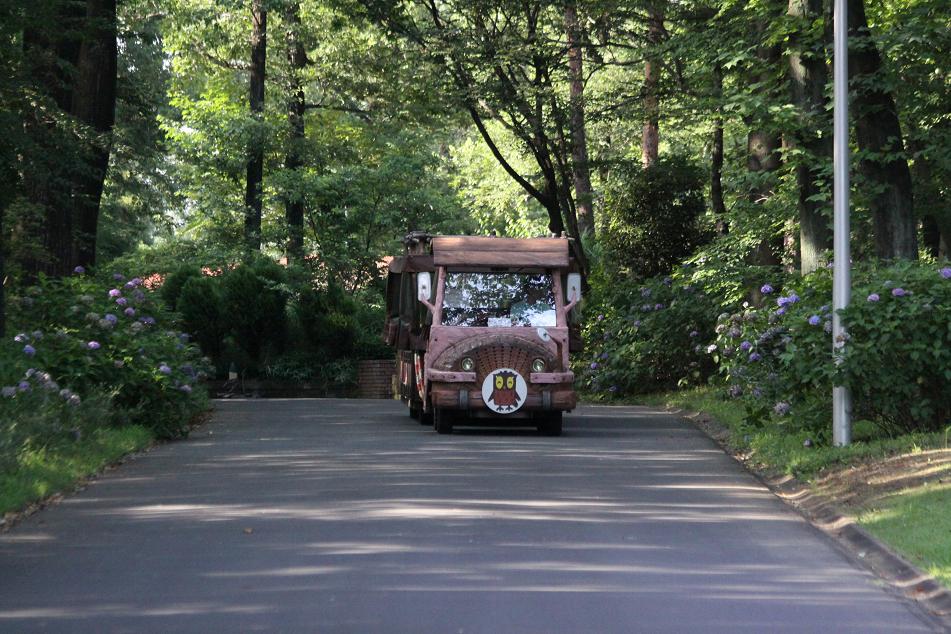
point(351, 515)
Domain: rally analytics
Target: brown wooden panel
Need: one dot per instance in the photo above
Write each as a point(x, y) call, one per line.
point(482, 251)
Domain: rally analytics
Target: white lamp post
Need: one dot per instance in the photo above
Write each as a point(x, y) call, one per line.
point(842, 274)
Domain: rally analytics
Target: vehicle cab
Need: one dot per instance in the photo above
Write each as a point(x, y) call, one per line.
point(498, 344)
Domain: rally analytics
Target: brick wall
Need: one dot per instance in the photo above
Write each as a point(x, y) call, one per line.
point(375, 378)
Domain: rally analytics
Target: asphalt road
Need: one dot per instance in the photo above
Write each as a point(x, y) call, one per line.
point(347, 516)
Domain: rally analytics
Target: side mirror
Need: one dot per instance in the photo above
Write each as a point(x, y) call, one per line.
point(574, 288)
point(424, 286)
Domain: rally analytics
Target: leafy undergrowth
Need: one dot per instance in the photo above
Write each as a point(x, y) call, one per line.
point(917, 522)
point(772, 449)
point(899, 489)
point(43, 472)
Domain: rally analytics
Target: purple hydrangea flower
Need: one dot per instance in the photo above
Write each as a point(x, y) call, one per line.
point(8, 391)
point(129, 312)
point(766, 289)
point(187, 389)
point(604, 355)
point(694, 333)
point(79, 270)
point(21, 338)
point(147, 320)
point(658, 307)
point(93, 345)
point(736, 391)
point(23, 386)
point(613, 388)
point(119, 363)
point(29, 350)
point(899, 292)
point(164, 369)
point(115, 292)
point(646, 308)
point(711, 348)
point(873, 297)
point(735, 333)
point(112, 319)
point(827, 326)
point(780, 311)
point(118, 277)
point(645, 292)
point(946, 273)
point(754, 357)
point(637, 323)
point(122, 301)
point(668, 281)
point(746, 346)
point(74, 400)
point(138, 295)
point(600, 317)
point(781, 408)
point(594, 366)
point(815, 320)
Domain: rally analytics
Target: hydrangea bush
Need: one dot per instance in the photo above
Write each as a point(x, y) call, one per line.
point(644, 337)
point(105, 340)
point(777, 358)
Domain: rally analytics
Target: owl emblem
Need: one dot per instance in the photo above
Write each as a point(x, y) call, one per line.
point(504, 394)
point(504, 391)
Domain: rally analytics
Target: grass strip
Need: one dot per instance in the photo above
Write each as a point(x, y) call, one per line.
point(917, 522)
point(43, 472)
point(777, 450)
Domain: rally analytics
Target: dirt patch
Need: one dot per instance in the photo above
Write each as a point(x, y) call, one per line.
point(862, 487)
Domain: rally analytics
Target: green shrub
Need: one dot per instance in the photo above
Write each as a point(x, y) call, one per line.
point(172, 288)
point(777, 358)
point(644, 337)
point(202, 310)
point(652, 215)
point(254, 305)
point(897, 361)
point(78, 339)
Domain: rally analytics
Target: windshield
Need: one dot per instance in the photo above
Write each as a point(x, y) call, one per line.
point(498, 300)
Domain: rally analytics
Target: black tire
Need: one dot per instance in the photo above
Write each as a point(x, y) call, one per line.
point(415, 411)
point(551, 424)
point(442, 420)
point(426, 417)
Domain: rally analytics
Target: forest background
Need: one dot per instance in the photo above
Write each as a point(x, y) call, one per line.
point(237, 171)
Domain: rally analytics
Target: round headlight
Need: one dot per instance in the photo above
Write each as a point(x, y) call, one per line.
point(538, 365)
point(467, 364)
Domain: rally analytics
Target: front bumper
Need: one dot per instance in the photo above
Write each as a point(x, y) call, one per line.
point(547, 391)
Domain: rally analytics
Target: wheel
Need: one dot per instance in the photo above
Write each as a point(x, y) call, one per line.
point(551, 424)
point(426, 417)
point(442, 420)
point(415, 411)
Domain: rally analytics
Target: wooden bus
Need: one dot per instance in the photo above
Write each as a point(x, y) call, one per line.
point(482, 330)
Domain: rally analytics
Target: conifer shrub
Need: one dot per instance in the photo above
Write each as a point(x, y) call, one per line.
point(653, 215)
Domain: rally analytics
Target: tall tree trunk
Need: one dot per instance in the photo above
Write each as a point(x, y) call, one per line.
point(930, 202)
point(253, 195)
point(294, 204)
point(763, 158)
point(808, 77)
point(4, 199)
point(94, 103)
point(877, 130)
point(76, 65)
point(579, 144)
point(650, 137)
point(716, 161)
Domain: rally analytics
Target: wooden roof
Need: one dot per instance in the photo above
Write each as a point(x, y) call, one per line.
point(411, 264)
point(490, 251)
